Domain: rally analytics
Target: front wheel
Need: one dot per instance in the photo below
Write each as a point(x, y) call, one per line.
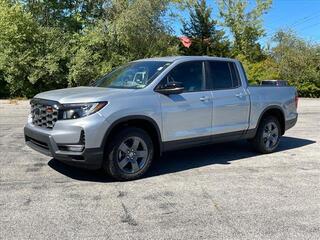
point(129, 155)
point(268, 135)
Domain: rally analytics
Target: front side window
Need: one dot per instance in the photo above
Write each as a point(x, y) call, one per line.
point(190, 74)
point(133, 75)
point(222, 75)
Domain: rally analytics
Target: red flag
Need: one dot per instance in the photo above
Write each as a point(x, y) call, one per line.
point(185, 41)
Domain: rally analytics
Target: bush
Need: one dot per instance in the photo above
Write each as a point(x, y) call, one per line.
point(38, 54)
point(32, 58)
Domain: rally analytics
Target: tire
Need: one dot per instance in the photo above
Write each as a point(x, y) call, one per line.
point(268, 135)
point(129, 154)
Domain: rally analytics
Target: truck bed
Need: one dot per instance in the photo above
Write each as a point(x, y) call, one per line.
point(263, 97)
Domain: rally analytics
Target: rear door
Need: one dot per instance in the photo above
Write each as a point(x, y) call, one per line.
point(231, 103)
point(187, 115)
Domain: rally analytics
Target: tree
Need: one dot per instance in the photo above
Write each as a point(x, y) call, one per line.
point(292, 59)
point(132, 30)
point(298, 62)
point(245, 25)
point(71, 16)
point(53, 44)
point(32, 58)
point(201, 29)
point(262, 70)
point(42, 49)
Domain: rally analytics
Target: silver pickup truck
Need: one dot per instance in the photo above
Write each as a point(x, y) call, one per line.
point(133, 114)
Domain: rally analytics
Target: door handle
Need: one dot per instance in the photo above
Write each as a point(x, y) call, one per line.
point(204, 98)
point(240, 95)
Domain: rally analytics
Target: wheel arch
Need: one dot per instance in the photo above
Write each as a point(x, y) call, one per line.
point(275, 111)
point(146, 123)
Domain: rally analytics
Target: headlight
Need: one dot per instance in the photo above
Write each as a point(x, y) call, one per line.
point(78, 110)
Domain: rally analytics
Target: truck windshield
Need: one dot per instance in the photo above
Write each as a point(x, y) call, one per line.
point(133, 75)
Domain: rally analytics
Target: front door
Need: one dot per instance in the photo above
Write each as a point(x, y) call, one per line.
point(187, 115)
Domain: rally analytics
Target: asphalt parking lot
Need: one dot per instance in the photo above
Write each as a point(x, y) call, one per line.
point(222, 191)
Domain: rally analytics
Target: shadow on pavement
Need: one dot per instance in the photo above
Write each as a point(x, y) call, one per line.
point(78, 173)
point(182, 160)
point(223, 153)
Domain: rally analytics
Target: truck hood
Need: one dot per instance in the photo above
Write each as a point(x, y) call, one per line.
point(83, 94)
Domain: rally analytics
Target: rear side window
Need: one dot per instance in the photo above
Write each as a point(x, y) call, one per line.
point(190, 74)
point(222, 75)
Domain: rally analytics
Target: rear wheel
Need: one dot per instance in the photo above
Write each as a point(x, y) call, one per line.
point(268, 135)
point(130, 154)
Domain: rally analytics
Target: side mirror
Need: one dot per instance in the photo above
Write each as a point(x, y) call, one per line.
point(171, 88)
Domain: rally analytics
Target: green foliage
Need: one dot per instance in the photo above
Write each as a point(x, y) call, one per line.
point(32, 58)
point(19, 35)
point(292, 59)
point(206, 39)
point(53, 44)
point(262, 70)
point(298, 62)
point(133, 30)
point(93, 54)
point(70, 16)
point(245, 25)
point(139, 29)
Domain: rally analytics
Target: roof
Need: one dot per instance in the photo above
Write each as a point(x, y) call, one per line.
point(184, 58)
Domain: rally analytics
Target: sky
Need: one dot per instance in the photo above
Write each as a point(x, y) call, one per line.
point(302, 16)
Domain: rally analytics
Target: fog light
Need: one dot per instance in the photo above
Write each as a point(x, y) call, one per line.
point(74, 148)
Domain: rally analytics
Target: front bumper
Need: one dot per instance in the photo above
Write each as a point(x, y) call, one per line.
point(44, 143)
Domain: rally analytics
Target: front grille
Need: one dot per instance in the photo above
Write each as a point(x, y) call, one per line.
point(44, 113)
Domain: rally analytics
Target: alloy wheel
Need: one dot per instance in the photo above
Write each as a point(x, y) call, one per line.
point(132, 155)
point(270, 135)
